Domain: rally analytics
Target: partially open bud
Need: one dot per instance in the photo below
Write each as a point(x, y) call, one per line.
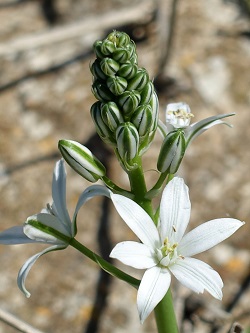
point(127, 141)
point(81, 160)
point(172, 152)
point(178, 115)
point(118, 38)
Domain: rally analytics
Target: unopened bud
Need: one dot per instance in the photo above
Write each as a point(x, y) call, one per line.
point(101, 127)
point(97, 71)
point(111, 115)
point(81, 159)
point(172, 152)
point(122, 54)
point(129, 101)
point(102, 92)
point(127, 139)
point(139, 81)
point(146, 93)
point(128, 70)
point(117, 84)
point(109, 66)
point(142, 119)
point(107, 47)
point(97, 49)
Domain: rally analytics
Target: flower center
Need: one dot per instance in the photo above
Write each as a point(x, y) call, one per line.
point(178, 115)
point(168, 253)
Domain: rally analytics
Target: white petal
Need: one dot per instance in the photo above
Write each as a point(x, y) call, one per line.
point(134, 254)
point(46, 220)
point(175, 210)
point(89, 193)
point(153, 287)
point(207, 235)
point(24, 271)
point(59, 193)
point(14, 235)
point(198, 276)
point(199, 127)
point(137, 220)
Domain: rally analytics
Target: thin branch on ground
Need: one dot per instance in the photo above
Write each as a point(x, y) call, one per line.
point(17, 323)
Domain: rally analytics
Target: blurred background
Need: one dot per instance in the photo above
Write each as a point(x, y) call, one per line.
point(197, 52)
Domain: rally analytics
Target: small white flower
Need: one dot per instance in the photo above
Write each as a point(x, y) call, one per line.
point(166, 249)
point(52, 226)
point(178, 115)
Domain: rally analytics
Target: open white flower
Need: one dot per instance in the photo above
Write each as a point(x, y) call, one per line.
point(165, 250)
point(53, 225)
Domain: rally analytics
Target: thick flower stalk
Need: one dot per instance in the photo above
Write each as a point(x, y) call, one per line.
point(164, 249)
point(126, 97)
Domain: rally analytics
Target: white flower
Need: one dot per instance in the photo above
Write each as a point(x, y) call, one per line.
point(53, 225)
point(166, 249)
point(178, 115)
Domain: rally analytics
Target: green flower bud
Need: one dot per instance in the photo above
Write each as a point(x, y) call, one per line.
point(101, 127)
point(139, 81)
point(133, 59)
point(109, 66)
point(127, 139)
point(101, 92)
point(154, 103)
point(117, 84)
point(97, 71)
point(172, 152)
point(147, 92)
point(97, 49)
point(111, 115)
point(142, 119)
point(129, 101)
point(118, 38)
point(121, 55)
point(128, 70)
point(107, 47)
point(81, 160)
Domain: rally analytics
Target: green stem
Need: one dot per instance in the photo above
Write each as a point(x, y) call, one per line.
point(116, 189)
point(165, 315)
point(138, 186)
point(105, 265)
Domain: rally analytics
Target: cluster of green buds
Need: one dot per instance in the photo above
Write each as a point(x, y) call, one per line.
point(126, 114)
